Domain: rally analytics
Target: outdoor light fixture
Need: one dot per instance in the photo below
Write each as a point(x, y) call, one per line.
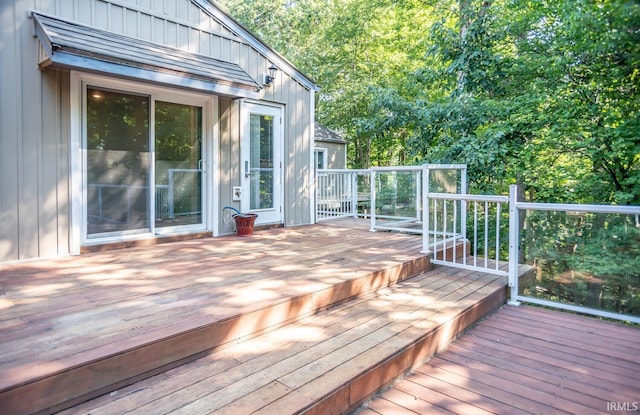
point(268, 78)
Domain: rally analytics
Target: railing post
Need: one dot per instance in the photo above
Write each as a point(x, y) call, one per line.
point(354, 194)
point(425, 209)
point(514, 238)
point(171, 207)
point(417, 176)
point(372, 196)
point(463, 204)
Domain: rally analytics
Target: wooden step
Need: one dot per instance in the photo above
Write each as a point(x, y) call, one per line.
point(330, 362)
point(74, 337)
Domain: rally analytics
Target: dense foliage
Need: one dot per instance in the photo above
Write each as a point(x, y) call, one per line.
point(545, 93)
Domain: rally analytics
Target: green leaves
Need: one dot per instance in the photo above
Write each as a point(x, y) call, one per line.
point(541, 94)
point(544, 93)
point(360, 53)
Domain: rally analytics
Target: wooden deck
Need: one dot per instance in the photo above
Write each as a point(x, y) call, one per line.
point(308, 320)
point(73, 328)
point(525, 360)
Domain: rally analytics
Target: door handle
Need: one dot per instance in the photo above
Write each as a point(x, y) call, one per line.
point(246, 168)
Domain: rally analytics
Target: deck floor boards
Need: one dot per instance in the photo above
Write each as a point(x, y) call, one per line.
point(283, 370)
point(62, 310)
point(524, 360)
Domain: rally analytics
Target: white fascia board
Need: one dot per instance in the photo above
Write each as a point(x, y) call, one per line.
point(99, 66)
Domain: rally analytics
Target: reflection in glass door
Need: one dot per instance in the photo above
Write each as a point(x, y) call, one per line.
point(261, 150)
point(117, 163)
point(261, 165)
point(178, 164)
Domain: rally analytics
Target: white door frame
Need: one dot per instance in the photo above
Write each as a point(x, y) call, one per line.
point(208, 103)
point(276, 214)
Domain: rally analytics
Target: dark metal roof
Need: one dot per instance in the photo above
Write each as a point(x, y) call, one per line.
point(322, 133)
point(74, 45)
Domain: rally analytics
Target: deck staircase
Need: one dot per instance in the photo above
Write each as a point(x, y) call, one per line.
point(325, 352)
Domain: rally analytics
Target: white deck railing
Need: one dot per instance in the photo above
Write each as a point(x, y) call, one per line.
point(164, 200)
point(391, 197)
point(494, 237)
point(341, 193)
point(475, 232)
point(519, 208)
point(445, 231)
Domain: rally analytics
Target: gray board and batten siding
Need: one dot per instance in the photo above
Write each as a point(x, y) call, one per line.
point(36, 187)
point(334, 146)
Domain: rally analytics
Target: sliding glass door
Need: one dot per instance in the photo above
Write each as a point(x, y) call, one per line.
point(178, 164)
point(118, 161)
point(143, 165)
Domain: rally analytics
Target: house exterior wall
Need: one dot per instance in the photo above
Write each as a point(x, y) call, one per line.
point(35, 115)
point(229, 167)
point(336, 154)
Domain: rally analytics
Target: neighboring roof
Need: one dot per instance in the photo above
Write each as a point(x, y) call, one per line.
point(73, 45)
point(281, 62)
point(322, 133)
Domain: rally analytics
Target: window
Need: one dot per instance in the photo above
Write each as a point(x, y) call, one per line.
point(320, 157)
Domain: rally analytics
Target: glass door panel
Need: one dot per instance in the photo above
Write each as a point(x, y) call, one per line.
point(261, 155)
point(178, 164)
point(118, 161)
point(261, 162)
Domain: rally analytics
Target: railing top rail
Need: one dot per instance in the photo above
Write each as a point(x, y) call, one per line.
point(629, 210)
point(397, 168)
point(343, 171)
point(469, 197)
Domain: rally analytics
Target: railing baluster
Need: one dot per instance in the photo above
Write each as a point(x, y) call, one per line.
point(486, 234)
point(444, 231)
point(475, 233)
point(463, 226)
point(498, 213)
point(455, 231)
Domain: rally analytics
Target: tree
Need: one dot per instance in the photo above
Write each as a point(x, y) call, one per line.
point(357, 51)
point(544, 94)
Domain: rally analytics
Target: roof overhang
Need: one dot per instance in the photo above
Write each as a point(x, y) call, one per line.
point(75, 46)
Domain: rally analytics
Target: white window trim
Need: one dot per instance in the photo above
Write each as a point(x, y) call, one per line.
point(323, 151)
point(210, 176)
point(311, 154)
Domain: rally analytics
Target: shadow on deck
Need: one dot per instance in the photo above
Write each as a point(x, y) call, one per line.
point(312, 319)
